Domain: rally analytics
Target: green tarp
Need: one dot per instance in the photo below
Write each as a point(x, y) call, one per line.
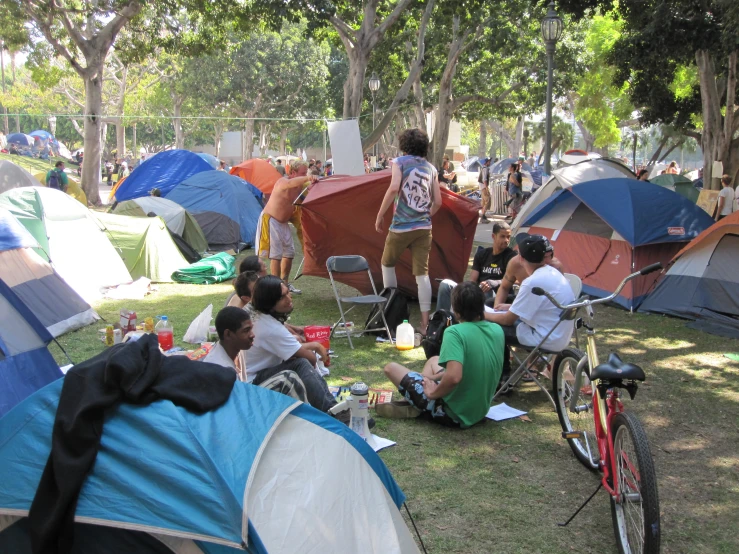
point(214, 269)
point(144, 244)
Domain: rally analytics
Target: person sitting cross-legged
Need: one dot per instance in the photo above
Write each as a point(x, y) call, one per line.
point(456, 387)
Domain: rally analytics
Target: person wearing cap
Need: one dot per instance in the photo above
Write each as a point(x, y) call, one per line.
point(531, 317)
point(483, 181)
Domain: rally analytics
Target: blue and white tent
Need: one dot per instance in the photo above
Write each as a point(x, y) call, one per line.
point(262, 473)
point(25, 363)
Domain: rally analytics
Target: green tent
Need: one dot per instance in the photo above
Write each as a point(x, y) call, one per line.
point(681, 185)
point(145, 245)
point(178, 219)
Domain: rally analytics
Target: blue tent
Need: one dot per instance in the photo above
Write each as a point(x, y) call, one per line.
point(262, 473)
point(26, 365)
point(163, 171)
point(225, 206)
point(211, 159)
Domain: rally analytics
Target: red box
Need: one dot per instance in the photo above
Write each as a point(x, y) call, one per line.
point(318, 333)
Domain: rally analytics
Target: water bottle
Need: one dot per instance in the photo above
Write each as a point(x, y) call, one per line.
point(404, 336)
point(165, 333)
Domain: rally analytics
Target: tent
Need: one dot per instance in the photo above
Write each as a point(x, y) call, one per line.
point(179, 221)
point(26, 365)
point(163, 171)
point(21, 139)
point(338, 217)
point(73, 188)
point(35, 282)
point(69, 238)
point(211, 159)
point(681, 185)
point(259, 173)
point(13, 176)
point(603, 230)
point(144, 244)
point(572, 157)
point(565, 177)
point(288, 479)
point(702, 283)
point(225, 207)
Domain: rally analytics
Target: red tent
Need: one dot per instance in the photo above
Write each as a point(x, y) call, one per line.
point(259, 173)
point(339, 219)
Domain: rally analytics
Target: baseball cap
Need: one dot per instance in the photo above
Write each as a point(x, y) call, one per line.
point(532, 248)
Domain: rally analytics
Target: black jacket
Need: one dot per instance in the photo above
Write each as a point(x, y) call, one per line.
point(136, 373)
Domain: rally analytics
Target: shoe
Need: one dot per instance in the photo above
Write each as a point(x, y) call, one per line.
point(344, 416)
point(484, 220)
point(397, 409)
point(293, 290)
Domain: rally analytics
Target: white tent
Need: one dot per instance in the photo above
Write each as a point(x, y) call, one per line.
point(565, 177)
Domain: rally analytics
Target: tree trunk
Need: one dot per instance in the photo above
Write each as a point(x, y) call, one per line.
point(482, 147)
point(179, 135)
point(283, 140)
point(217, 135)
point(264, 132)
point(249, 137)
point(418, 104)
point(519, 139)
point(120, 129)
point(135, 151)
point(93, 122)
point(354, 84)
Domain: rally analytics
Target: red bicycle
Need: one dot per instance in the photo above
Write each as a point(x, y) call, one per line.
point(602, 435)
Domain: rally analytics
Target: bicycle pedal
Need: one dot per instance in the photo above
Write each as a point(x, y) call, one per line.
point(573, 435)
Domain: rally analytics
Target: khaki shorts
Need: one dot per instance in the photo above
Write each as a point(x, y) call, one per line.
point(418, 241)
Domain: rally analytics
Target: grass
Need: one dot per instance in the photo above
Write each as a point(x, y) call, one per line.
point(32, 165)
point(502, 487)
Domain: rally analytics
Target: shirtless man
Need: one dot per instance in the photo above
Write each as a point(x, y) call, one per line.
point(516, 273)
point(274, 239)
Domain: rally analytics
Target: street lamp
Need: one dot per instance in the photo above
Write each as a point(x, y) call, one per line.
point(551, 31)
point(374, 86)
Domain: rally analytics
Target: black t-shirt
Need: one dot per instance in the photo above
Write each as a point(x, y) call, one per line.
point(492, 266)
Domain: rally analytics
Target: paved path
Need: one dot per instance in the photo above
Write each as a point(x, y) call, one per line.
point(484, 232)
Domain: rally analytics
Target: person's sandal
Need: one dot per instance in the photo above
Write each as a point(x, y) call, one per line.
point(397, 409)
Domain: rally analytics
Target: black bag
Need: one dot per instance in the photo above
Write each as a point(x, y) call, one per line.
point(396, 311)
point(440, 320)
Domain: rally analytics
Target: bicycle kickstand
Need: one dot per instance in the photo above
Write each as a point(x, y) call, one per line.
point(566, 523)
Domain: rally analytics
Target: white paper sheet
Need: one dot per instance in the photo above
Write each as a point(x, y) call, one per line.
point(503, 411)
point(489, 310)
point(381, 443)
point(346, 147)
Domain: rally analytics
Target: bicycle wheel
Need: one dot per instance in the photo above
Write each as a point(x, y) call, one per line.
point(582, 419)
point(636, 513)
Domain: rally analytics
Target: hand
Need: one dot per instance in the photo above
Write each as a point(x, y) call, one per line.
point(312, 179)
point(502, 307)
point(321, 350)
point(378, 225)
point(429, 388)
point(485, 286)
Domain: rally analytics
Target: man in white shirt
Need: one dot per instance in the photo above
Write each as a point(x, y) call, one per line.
point(531, 317)
point(276, 349)
point(725, 199)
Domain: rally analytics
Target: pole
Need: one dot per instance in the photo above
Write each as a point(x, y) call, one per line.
point(6, 127)
point(633, 154)
point(324, 145)
point(548, 145)
point(374, 111)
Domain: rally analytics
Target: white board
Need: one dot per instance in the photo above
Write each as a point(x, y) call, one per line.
point(346, 147)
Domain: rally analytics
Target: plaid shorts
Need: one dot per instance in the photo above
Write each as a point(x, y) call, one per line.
point(411, 387)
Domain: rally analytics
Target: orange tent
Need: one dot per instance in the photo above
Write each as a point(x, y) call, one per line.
point(338, 218)
point(259, 173)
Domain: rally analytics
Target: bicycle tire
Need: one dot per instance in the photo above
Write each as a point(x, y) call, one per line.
point(634, 535)
point(562, 380)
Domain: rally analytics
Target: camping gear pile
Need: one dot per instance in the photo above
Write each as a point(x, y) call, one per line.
point(214, 269)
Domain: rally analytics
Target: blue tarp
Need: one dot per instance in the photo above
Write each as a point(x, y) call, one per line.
point(224, 194)
point(642, 213)
point(163, 171)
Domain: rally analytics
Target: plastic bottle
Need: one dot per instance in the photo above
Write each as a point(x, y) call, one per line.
point(404, 336)
point(165, 333)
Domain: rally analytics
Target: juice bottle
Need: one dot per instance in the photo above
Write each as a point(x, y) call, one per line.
point(165, 333)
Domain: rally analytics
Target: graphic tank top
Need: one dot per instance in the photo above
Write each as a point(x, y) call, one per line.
point(413, 205)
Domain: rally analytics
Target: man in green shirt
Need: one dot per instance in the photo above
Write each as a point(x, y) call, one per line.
point(56, 178)
point(456, 387)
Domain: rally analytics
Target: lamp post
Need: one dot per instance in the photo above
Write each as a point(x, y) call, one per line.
point(551, 31)
point(374, 86)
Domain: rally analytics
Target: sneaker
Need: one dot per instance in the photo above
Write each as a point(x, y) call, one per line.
point(484, 220)
point(344, 416)
point(293, 290)
point(397, 409)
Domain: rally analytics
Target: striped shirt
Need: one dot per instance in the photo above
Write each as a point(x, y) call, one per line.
point(413, 205)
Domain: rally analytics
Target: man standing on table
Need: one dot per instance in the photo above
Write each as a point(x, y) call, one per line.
point(414, 188)
point(274, 239)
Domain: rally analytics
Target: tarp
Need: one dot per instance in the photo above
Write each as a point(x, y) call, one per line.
point(702, 283)
point(565, 177)
point(25, 363)
point(338, 217)
point(259, 173)
point(69, 238)
point(13, 176)
point(226, 207)
point(34, 281)
point(208, 271)
point(603, 230)
point(178, 219)
point(164, 171)
point(144, 244)
point(210, 158)
point(286, 479)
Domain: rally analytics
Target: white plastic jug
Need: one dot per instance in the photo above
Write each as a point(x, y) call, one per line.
point(404, 336)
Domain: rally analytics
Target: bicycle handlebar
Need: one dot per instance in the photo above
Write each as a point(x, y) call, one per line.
point(538, 291)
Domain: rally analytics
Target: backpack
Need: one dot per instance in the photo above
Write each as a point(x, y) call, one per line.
point(54, 182)
point(396, 311)
point(440, 320)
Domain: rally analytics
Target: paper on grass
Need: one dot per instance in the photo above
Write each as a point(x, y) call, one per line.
point(503, 411)
point(381, 443)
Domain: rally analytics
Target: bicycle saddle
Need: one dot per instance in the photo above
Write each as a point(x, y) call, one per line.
point(615, 369)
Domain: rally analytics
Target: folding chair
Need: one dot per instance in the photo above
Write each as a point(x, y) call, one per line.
point(355, 264)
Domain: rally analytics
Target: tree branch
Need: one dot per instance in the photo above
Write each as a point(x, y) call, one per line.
point(457, 102)
point(346, 33)
point(388, 22)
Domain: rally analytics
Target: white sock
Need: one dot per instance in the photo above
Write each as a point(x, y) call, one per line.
point(424, 292)
point(389, 280)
